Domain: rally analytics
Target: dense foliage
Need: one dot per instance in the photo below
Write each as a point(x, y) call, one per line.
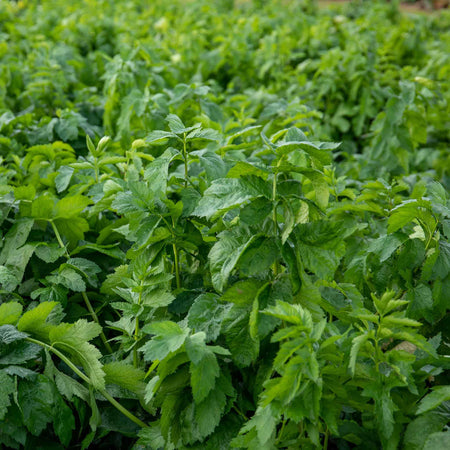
point(223, 226)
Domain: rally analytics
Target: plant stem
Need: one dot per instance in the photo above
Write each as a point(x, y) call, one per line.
point(177, 266)
point(325, 440)
point(276, 267)
point(280, 434)
point(96, 168)
point(83, 294)
point(240, 412)
point(85, 378)
point(176, 259)
point(122, 409)
point(58, 238)
point(61, 356)
point(95, 318)
point(136, 332)
point(185, 156)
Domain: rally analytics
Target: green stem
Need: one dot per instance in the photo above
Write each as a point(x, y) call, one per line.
point(276, 266)
point(325, 440)
point(96, 169)
point(240, 412)
point(280, 434)
point(85, 378)
point(61, 356)
point(176, 259)
point(83, 294)
point(136, 333)
point(122, 409)
point(152, 368)
point(177, 266)
point(58, 238)
point(185, 156)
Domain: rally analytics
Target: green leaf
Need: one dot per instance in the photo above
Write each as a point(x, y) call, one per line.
point(439, 395)
point(49, 252)
point(125, 376)
point(209, 412)
point(207, 314)
point(357, 343)
point(42, 208)
point(71, 206)
point(406, 212)
point(72, 228)
point(70, 279)
point(74, 339)
point(7, 387)
point(264, 421)
point(228, 193)
point(384, 246)
point(418, 431)
point(15, 238)
point(35, 320)
point(9, 334)
point(168, 338)
point(386, 408)
point(258, 257)
point(438, 441)
point(63, 178)
point(10, 312)
point(157, 171)
point(18, 352)
point(441, 267)
point(8, 279)
point(37, 401)
point(420, 301)
point(244, 350)
point(225, 254)
point(203, 376)
point(63, 421)
point(175, 124)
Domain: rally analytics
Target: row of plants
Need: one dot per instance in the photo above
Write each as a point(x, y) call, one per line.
point(217, 240)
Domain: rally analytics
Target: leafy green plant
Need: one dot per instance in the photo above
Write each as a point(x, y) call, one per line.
point(186, 259)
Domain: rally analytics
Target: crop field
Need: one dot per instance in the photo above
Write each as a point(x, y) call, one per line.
point(224, 225)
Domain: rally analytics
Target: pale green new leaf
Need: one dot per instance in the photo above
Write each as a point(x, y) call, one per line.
point(10, 312)
point(35, 321)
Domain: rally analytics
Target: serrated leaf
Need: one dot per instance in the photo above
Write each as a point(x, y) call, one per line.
point(71, 206)
point(357, 343)
point(63, 178)
point(35, 320)
point(418, 431)
point(9, 334)
point(36, 399)
point(49, 253)
point(168, 338)
point(7, 387)
point(227, 193)
point(74, 339)
point(203, 376)
point(175, 124)
point(438, 441)
point(10, 312)
point(439, 395)
point(206, 314)
point(125, 376)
